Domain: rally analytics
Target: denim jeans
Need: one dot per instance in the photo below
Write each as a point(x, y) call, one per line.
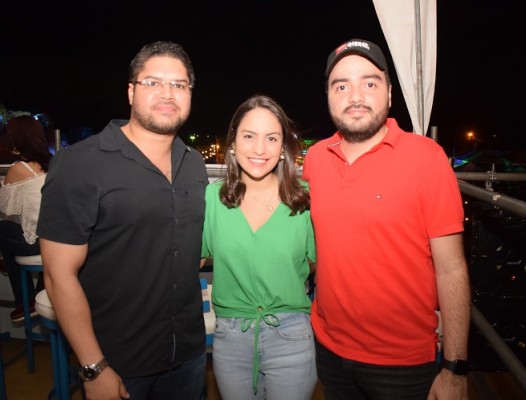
point(185, 382)
point(343, 379)
point(287, 368)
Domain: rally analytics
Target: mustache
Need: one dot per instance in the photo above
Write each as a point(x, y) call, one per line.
point(167, 103)
point(357, 107)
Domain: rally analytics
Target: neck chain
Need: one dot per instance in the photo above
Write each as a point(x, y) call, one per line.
point(267, 204)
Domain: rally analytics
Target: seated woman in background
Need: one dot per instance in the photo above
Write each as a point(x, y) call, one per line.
point(20, 202)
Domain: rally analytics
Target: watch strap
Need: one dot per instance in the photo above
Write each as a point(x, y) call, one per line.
point(89, 372)
point(458, 366)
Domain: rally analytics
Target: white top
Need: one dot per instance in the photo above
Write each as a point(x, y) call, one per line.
point(21, 200)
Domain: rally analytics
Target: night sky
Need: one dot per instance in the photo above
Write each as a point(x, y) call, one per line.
point(70, 60)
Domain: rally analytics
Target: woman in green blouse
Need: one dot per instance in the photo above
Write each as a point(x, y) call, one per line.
point(259, 233)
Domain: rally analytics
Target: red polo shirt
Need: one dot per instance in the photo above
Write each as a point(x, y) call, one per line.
point(376, 293)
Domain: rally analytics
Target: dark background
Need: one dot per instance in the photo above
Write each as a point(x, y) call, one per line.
point(70, 61)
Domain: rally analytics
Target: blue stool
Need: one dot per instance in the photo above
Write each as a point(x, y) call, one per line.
point(28, 265)
point(3, 393)
point(62, 377)
point(210, 319)
point(208, 312)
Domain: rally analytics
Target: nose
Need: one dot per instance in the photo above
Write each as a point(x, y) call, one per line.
point(260, 146)
point(166, 90)
point(355, 95)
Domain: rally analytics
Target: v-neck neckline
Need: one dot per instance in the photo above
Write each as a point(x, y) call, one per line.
point(271, 214)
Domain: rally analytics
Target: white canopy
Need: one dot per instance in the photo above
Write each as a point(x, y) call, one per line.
point(409, 27)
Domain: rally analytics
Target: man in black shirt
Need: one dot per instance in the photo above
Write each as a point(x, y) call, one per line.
point(120, 234)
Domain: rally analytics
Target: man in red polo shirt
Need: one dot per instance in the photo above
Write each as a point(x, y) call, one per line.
point(388, 222)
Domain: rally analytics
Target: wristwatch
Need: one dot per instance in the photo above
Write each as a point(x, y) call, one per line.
point(458, 367)
point(91, 371)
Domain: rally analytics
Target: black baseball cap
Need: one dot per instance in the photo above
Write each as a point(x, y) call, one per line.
point(361, 47)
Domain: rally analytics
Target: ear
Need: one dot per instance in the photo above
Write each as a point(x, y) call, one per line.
point(131, 93)
point(390, 86)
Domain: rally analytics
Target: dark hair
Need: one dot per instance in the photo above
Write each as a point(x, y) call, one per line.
point(161, 49)
point(27, 136)
point(291, 192)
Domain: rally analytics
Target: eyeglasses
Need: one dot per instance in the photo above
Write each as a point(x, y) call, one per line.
point(182, 86)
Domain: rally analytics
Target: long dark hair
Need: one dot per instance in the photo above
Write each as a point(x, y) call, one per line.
point(27, 140)
point(291, 192)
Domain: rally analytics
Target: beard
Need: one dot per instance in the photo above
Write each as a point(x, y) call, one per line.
point(355, 132)
point(161, 126)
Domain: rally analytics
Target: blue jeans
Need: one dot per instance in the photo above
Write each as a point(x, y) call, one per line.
point(287, 368)
point(343, 379)
point(185, 382)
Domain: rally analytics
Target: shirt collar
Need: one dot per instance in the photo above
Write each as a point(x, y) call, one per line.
point(391, 138)
point(113, 139)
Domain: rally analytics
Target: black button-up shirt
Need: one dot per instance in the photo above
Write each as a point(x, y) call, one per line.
point(141, 275)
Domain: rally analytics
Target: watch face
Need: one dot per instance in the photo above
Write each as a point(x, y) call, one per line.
point(88, 373)
point(461, 367)
point(91, 371)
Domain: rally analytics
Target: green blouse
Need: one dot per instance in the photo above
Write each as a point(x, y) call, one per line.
point(257, 274)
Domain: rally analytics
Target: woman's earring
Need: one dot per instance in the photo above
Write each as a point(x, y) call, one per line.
point(15, 152)
point(232, 151)
point(282, 156)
